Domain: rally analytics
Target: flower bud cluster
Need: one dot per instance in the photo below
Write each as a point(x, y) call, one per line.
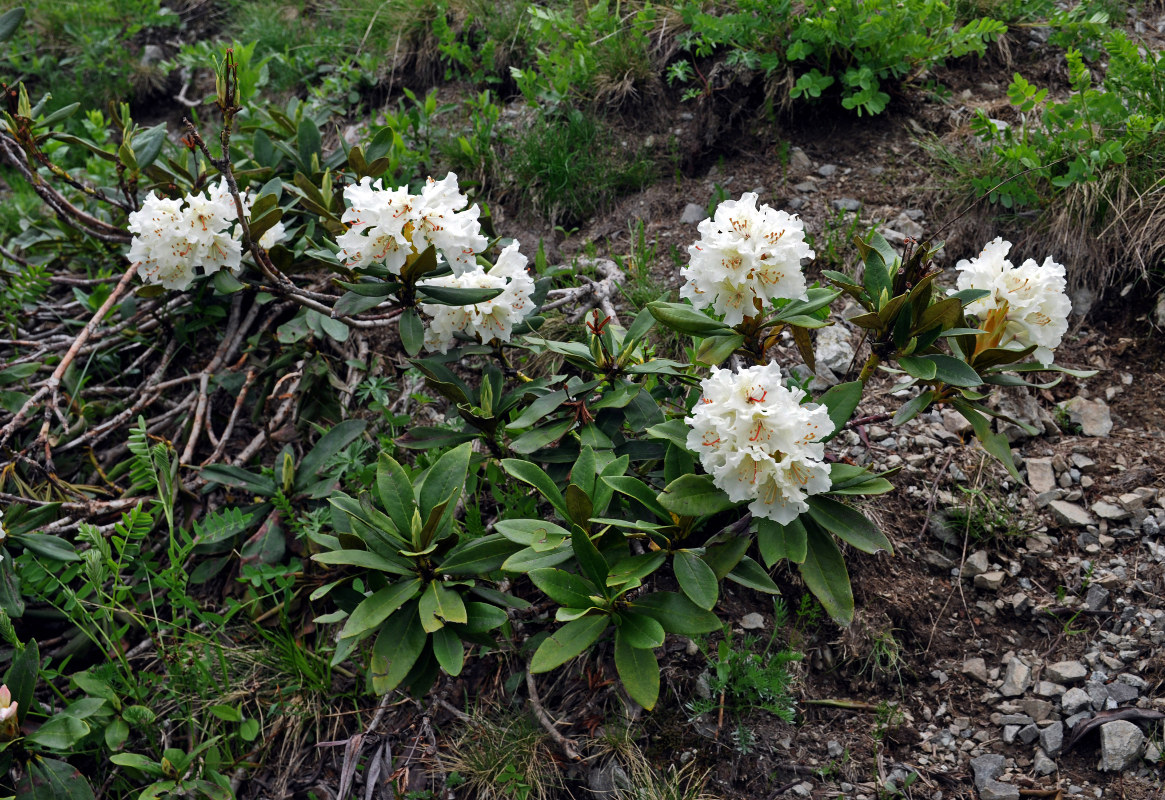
point(759, 443)
point(386, 226)
point(174, 237)
point(1027, 304)
point(746, 258)
point(490, 319)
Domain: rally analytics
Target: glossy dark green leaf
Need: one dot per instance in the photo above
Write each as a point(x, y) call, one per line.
point(412, 331)
point(825, 574)
point(677, 614)
point(696, 579)
point(751, 574)
point(567, 642)
point(638, 670)
point(848, 524)
point(379, 606)
point(694, 496)
point(841, 401)
point(777, 541)
point(398, 646)
point(449, 651)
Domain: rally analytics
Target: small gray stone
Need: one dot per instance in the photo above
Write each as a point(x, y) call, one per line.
point(796, 203)
point(1074, 701)
point(1010, 732)
point(827, 170)
point(835, 749)
point(976, 564)
point(1076, 719)
point(1096, 598)
point(991, 581)
point(1122, 693)
point(1040, 475)
point(693, 214)
point(987, 768)
point(1052, 738)
point(798, 160)
point(752, 622)
point(1017, 679)
point(1066, 672)
point(1037, 709)
point(1042, 764)
point(1098, 694)
point(976, 668)
point(806, 186)
point(833, 348)
point(1029, 733)
point(1092, 416)
point(846, 204)
point(1070, 515)
point(1121, 744)
point(1014, 719)
point(997, 790)
point(1109, 511)
point(803, 789)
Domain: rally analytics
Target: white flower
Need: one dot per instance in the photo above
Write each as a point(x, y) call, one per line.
point(746, 254)
point(389, 225)
point(457, 234)
point(160, 247)
point(759, 443)
point(7, 707)
point(378, 220)
point(1028, 304)
point(172, 237)
point(490, 319)
point(272, 236)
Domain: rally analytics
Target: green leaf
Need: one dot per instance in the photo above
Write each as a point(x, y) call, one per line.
point(379, 606)
point(954, 372)
point(994, 443)
point(445, 479)
point(639, 491)
point(696, 579)
point(841, 401)
point(148, 144)
point(22, 675)
point(686, 319)
point(309, 141)
point(913, 407)
point(590, 560)
point(825, 574)
point(638, 670)
point(49, 546)
point(412, 331)
point(640, 630)
point(579, 505)
point(532, 532)
point(924, 369)
point(447, 296)
point(351, 303)
point(9, 22)
point(567, 642)
point(394, 490)
point(439, 605)
point(331, 443)
point(563, 587)
point(694, 496)
point(398, 646)
point(359, 558)
point(61, 732)
point(676, 613)
point(751, 574)
point(777, 541)
point(534, 475)
point(714, 349)
point(528, 559)
point(538, 438)
point(52, 779)
point(847, 524)
point(226, 283)
point(449, 651)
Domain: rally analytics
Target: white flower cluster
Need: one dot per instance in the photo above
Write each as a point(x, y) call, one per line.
point(1028, 300)
point(387, 225)
point(173, 237)
point(491, 319)
point(759, 443)
point(746, 254)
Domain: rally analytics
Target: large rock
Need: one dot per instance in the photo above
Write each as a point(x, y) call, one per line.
point(834, 349)
point(1092, 416)
point(1121, 744)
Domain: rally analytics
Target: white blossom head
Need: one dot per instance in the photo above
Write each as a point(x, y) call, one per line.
point(160, 246)
point(759, 443)
point(489, 319)
point(1027, 304)
point(745, 256)
point(386, 226)
point(8, 708)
